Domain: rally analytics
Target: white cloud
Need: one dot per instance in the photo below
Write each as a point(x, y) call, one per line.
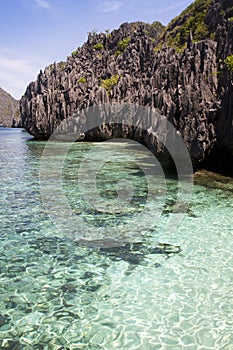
point(173, 7)
point(43, 4)
point(17, 72)
point(109, 6)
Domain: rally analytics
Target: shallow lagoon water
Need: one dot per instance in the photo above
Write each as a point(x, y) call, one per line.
point(57, 294)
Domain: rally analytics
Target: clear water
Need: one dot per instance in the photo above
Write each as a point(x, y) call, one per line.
point(58, 294)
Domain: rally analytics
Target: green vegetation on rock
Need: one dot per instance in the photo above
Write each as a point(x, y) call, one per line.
point(82, 80)
point(98, 46)
point(158, 47)
point(154, 30)
point(229, 62)
point(122, 46)
point(192, 19)
point(61, 65)
point(74, 53)
point(109, 83)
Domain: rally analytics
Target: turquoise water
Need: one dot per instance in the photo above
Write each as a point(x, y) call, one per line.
point(57, 293)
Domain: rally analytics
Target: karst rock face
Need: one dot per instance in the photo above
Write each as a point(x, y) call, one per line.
point(191, 87)
point(9, 111)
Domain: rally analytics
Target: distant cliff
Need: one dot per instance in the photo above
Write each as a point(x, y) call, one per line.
point(183, 70)
point(9, 110)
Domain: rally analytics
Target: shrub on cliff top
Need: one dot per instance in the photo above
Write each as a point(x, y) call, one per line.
point(74, 53)
point(193, 18)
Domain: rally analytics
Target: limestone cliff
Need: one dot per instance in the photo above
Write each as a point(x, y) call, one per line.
point(9, 110)
point(186, 81)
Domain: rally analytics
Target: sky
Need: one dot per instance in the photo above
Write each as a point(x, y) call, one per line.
point(36, 33)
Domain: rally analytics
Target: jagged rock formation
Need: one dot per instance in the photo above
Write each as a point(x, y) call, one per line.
point(188, 83)
point(9, 111)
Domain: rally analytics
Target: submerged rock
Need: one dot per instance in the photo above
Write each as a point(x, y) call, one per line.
point(68, 288)
point(4, 320)
point(105, 243)
point(11, 344)
point(133, 253)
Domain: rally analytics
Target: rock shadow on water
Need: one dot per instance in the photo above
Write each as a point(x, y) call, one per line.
point(132, 253)
point(100, 252)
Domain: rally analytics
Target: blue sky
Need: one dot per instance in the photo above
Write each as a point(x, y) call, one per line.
point(35, 33)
